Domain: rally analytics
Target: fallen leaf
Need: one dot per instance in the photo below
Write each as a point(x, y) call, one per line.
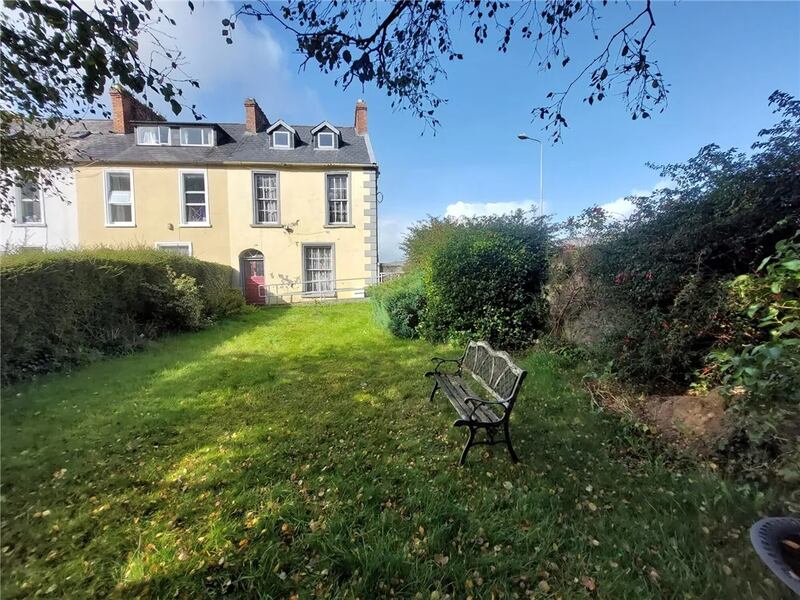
point(588, 583)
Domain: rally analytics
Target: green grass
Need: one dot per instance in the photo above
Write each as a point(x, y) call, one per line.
point(293, 451)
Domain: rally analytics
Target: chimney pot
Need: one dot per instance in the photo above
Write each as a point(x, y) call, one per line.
point(360, 121)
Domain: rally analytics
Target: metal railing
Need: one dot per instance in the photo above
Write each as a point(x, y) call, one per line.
point(293, 291)
point(389, 275)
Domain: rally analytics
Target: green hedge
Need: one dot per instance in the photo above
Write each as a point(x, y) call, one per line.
point(64, 308)
point(398, 303)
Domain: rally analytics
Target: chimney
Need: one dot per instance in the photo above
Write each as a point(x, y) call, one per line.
point(254, 118)
point(125, 109)
point(361, 117)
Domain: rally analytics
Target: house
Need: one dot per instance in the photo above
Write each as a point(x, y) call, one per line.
point(43, 216)
point(292, 208)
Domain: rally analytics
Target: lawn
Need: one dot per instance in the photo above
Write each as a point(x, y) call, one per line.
point(293, 453)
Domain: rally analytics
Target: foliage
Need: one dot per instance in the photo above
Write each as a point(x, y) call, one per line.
point(768, 367)
point(63, 308)
point(401, 46)
point(58, 59)
point(398, 304)
point(292, 452)
point(661, 276)
point(486, 285)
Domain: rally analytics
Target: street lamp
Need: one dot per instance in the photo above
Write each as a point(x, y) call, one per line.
point(524, 137)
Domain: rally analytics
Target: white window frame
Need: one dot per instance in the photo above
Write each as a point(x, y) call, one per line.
point(333, 140)
point(288, 144)
point(212, 135)
point(316, 294)
point(18, 222)
point(349, 200)
point(159, 142)
point(256, 222)
point(162, 245)
point(107, 205)
point(182, 199)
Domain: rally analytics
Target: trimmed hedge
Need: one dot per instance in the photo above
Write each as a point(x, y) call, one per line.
point(65, 308)
point(398, 303)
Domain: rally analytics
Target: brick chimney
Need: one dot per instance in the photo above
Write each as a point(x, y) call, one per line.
point(125, 109)
point(254, 118)
point(361, 117)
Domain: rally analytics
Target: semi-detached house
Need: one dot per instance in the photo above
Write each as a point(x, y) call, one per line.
point(292, 208)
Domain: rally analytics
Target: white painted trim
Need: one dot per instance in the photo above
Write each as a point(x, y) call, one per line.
point(181, 198)
point(370, 153)
point(333, 139)
point(280, 123)
point(159, 245)
point(169, 135)
point(132, 222)
point(289, 137)
point(323, 125)
point(213, 136)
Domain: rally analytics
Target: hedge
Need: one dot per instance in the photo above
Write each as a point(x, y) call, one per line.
point(64, 308)
point(398, 304)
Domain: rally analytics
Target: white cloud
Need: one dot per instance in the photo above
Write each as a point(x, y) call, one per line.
point(255, 65)
point(481, 209)
point(622, 208)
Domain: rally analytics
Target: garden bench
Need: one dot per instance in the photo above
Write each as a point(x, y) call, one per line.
point(498, 375)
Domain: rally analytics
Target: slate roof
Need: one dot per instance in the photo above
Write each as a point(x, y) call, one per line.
point(235, 145)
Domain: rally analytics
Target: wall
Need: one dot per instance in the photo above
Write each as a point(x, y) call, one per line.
point(60, 227)
point(156, 194)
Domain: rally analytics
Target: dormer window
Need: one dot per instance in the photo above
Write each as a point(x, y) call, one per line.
point(326, 136)
point(197, 136)
point(326, 141)
point(152, 135)
point(280, 139)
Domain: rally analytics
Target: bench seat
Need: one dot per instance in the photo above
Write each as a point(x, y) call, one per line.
point(458, 393)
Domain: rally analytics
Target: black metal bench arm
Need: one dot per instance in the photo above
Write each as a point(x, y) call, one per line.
point(440, 361)
point(478, 402)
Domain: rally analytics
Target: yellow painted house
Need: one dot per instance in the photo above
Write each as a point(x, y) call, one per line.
point(293, 209)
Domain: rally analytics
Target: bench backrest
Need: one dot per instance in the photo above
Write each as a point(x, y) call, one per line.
point(494, 370)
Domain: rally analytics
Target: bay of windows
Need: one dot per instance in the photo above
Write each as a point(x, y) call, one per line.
point(152, 135)
point(318, 269)
point(197, 136)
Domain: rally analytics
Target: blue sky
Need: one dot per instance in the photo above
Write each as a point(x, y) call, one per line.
point(721, 60)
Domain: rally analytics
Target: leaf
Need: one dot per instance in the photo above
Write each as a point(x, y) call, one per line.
point(793, 265)
point(588, 583)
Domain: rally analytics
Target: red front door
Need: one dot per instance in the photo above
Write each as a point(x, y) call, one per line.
point(253, 275)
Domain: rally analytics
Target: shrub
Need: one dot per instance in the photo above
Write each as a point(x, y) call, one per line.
point(398, 304)
point(487, 285)
point(63, 308)
point(659, 279)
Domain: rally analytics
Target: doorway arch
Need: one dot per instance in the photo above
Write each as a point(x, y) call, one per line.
point(251, 266)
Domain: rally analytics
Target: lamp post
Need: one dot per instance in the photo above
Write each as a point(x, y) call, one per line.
point(524, 137)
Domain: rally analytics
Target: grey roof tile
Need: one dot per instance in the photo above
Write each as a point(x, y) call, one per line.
point(235, 146)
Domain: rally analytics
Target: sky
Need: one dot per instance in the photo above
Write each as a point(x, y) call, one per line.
point(721, 61)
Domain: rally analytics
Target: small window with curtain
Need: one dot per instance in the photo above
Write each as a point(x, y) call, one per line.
point(265, 199)
point(119, 198)
point(194, 198)
point(318, 270)
point(29, 211)
point(337, 192)
point(152, 135)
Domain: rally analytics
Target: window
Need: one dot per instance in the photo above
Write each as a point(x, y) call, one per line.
point(318, 269)
point(197, 136)
point(281, 139)
point(29, 210)
point(119, 198)
point(265, 198)
point(337, 191)
point(194, 199)
point(184, 248)
point(325, 141)
point(152, 135)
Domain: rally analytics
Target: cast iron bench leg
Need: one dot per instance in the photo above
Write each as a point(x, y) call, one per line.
point(433, 392)
point(471, 439)
point(514, 457)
